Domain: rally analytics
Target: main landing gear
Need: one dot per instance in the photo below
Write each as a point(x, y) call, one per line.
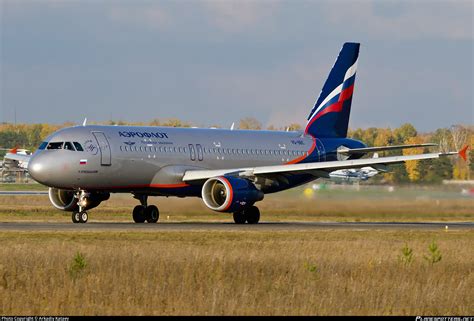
point(145, 212)
point(250, 215)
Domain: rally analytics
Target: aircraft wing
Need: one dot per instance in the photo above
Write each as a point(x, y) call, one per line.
point(318, 169)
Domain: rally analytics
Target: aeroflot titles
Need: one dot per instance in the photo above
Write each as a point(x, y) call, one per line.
point(143, 134)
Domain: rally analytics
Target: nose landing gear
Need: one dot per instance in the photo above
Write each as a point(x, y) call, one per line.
point(81, 216)
point(145, 212)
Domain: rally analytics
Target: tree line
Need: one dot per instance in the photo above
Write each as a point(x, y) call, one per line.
point(30, 136)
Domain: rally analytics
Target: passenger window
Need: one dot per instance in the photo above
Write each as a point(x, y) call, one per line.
point(58, 145)
point(68, 146)
point(78, 147)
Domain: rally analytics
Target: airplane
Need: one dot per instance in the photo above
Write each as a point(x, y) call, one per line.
point(353, 174)
point(16, 158)
point(229, 169)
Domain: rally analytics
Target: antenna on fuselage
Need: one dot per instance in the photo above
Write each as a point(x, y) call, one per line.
point(84, 122)
point(232, 126)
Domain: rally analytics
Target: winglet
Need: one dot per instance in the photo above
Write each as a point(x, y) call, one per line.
point(13, 150)
point(463, 152)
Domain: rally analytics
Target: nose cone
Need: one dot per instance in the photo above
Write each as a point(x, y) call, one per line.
point(40, 169)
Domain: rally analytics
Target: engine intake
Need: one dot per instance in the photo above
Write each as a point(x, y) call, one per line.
point(229, 194)
point(65, 200)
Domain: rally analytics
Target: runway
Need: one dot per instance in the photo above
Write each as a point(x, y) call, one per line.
point(263, 226)
point(23, 193)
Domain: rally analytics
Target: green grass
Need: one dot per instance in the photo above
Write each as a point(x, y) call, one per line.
point(331, 272)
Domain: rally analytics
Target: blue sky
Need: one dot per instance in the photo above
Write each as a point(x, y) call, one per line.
point(215, 62)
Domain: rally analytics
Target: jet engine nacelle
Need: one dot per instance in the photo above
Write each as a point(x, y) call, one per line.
point(65, 200)
point(229, 194)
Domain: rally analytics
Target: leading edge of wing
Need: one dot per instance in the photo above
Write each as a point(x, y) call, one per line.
point(365, 150)
point(194, 175)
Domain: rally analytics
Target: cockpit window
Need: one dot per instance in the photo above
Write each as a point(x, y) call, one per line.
point(78, 147)
point(43, 145)
point(68, 146)
point(57, 145)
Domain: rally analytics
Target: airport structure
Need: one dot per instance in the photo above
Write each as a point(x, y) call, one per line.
point(230, 170)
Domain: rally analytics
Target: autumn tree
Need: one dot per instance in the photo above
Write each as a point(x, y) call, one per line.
point(403, 133)
point(250, 123)
point(294, 127)
point(412, 166)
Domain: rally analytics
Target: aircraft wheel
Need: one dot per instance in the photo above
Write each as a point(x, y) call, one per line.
point(139, 214)
point(76, 216)
point(83, 217)
point(152, 214)
point(252, 215)
point(239, 217)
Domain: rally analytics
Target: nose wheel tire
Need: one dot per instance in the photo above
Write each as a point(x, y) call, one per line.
point(139, 214)
point(76, 216)
point(83, 217)
point(152, 214)
point(79, 217)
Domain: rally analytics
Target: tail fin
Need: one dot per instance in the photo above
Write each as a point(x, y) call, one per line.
point(330, 115)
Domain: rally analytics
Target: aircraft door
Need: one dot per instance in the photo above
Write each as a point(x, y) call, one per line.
point(192, 152)
point(199, 152)
point(321, 150)
point(104, 147)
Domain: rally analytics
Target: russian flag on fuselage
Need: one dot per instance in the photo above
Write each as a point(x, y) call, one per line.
point(330, 115)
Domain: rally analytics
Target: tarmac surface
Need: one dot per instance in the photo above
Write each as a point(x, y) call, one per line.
point(23, 193)
point(263, 226)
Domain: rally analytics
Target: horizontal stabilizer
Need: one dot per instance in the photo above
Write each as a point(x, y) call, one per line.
point(365, 150)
